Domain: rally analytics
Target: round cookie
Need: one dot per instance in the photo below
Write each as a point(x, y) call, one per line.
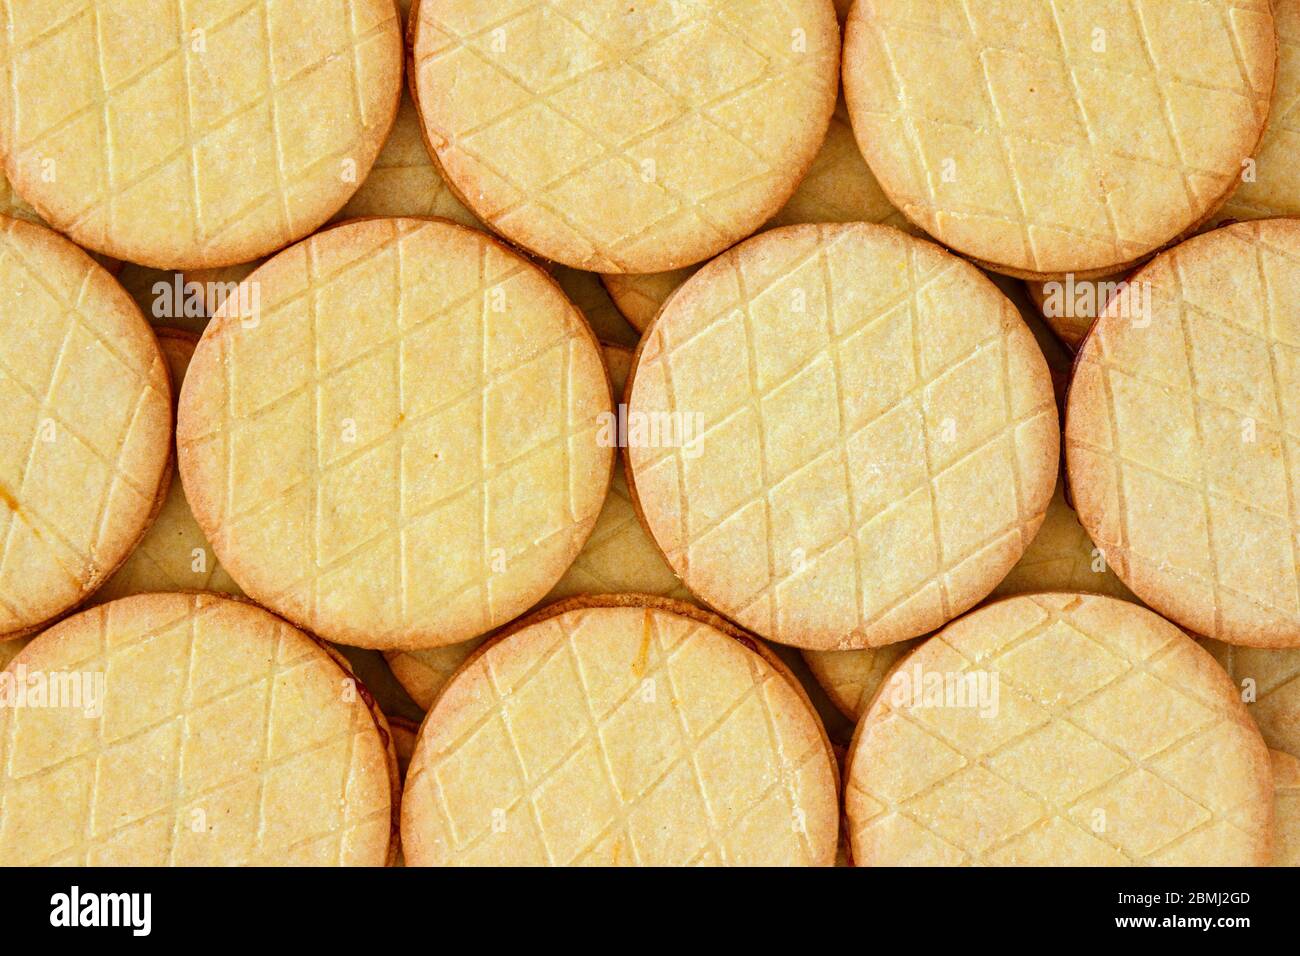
point(1268, 682)
point(838, 188)
point(1042, 139)
point(1183, 434)
point(539, 750)
point(173, 555)
point(851, 678)
point(1270, 187)
point(196, 144)
point(1070, 305)
point(617, 558)
point(1059, 729)
point(204, 731)
point(638, 139)
point(85, 448)
point(1060, 558)
point(822, 454)
point(398, 447)
point(1286, 809)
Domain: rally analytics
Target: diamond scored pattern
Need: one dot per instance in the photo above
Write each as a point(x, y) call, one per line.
point(677, 744)
point(607, 90)
point(1174, 782)
point(455, 413)
point(231, 162)
point(1197, 409)
point(78, 483)
point(1043, 183)
point(232, 717)
point(803, 335)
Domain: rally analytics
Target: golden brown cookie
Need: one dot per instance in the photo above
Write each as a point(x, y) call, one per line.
point(851, 678)
point(822, 454)
point(1060, 558)
point(838, 188)
point(191, 730)
point(1059, 729)
point(1269, 187)
point(1183, 434)
point(85, 447)
point(1045, 138)
point(632, 138)
point(173, 555)
point(1070, 305)
point(191, 136)
point(1268, 682)
point(621, 731)
point(1286, 809)
point(398, 448)
point(617, 558)
point(1270, 183)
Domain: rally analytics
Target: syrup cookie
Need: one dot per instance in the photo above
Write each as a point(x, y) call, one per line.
point(196, 142)
point(822, 454)
point(1183, 434)
point(397, 445)
point(1076, 137)
point(838, 188)
point(618, 558)
point(1268, 682)
point(173, 555)
point(85, 448)
point(1059, 729)
point(191, 730)
point(536, 752)
point(637, 139)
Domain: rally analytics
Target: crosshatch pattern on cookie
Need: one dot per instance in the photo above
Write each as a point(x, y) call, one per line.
point(243, 750)
point(740, 773)
point(176, 135)
point(79, 477)
point(838, 188)
point(1182, 435)
point(986, 121)
point(1268, 681)
point(1116, 741)
point(173, 555)
point(653, 157)
point(474, 473)
point(929, 447)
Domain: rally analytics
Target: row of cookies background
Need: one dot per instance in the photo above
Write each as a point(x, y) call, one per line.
point(619, 557)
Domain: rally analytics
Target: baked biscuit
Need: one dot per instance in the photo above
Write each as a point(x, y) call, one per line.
point(630, 138)
point(173, 555)
point(1059, 729)
point(85, 445)
point(186, 137)
point(1183, 434)
point(617, 558)
point(1286, 809)
point(203, 731)
point(1268, 682)
point(1043, 138)
point(539, 749)
point(398, 446)
point(838, 188)
point(822, 454)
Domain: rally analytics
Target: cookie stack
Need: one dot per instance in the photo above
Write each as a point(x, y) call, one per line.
point(638, 441)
